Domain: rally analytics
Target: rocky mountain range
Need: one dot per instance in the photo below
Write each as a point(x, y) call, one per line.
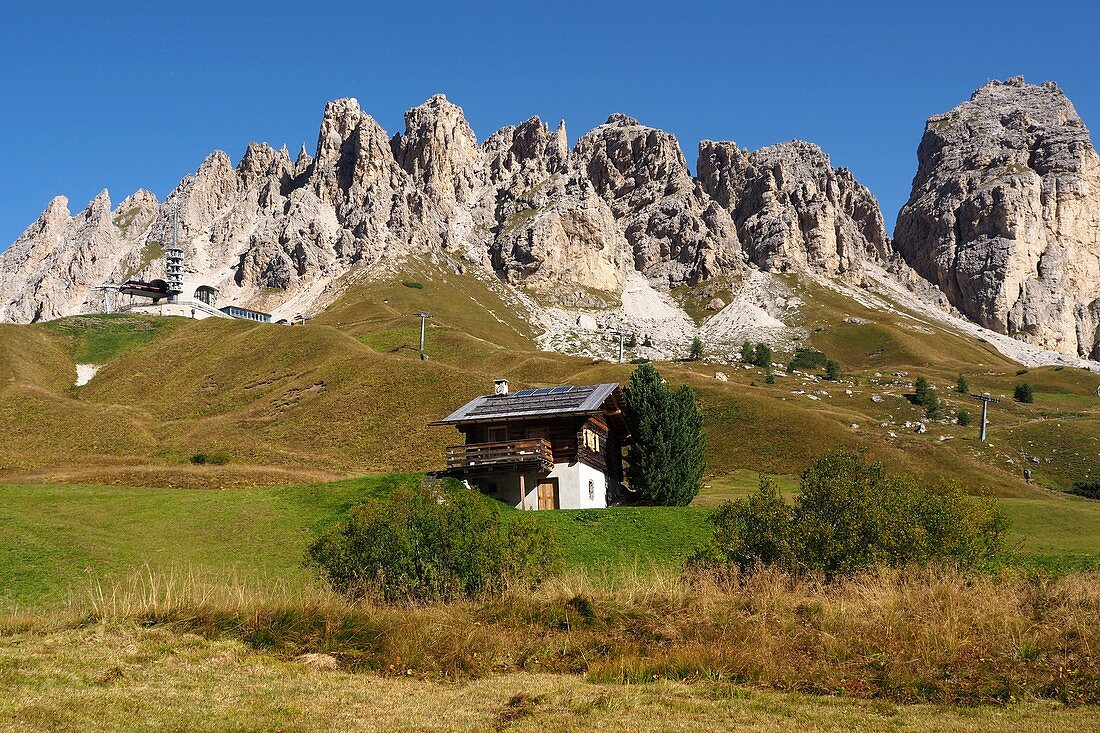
point(1004, 218)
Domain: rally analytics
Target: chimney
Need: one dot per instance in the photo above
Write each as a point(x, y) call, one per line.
point(500, 386)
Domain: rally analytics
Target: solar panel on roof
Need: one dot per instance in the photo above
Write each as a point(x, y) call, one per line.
point(561, 390)
point(543, 390)
point(525, 392)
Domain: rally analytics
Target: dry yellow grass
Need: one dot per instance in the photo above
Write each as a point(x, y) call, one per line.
point(913, 636)
point(117, 677)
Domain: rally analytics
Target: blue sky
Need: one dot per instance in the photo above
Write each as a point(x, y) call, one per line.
point(128, 96)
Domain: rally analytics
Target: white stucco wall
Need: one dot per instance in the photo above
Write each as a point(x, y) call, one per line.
point(572, 479)
point(185, 308)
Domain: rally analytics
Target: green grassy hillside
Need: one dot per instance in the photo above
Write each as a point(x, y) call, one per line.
point(348, 394)
point(57, 540)
point(100, 338)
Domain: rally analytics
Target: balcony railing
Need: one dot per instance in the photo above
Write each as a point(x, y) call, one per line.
point(502, 454)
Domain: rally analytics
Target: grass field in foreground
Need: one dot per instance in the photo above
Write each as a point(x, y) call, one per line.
point(55, 539)
point(125, 678)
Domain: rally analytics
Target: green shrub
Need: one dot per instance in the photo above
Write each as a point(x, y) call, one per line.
point(805, 358)
point(762, 355)
point(962, 386)
point(217, 458)
point(1087, 489)
point(769, 378)
point(850, 516)
point(926, 397)
point(667, 458)
point(923, 392)
point(756, 354)
point(963, 418)
point(425, 544)
point(752, 531)
point(832, 370)
point(696, 349)
point(413, 284)
point(647, 342)
point(1023, 393)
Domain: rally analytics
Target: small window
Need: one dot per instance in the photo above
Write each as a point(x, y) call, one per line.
point(591, 489)
point(498, 435)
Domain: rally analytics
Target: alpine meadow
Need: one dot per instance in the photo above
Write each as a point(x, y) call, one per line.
point(435, 429)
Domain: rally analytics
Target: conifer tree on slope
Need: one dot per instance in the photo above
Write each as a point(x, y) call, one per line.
point(668, 456)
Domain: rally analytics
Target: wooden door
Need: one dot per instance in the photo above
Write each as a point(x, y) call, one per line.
point(548, 493)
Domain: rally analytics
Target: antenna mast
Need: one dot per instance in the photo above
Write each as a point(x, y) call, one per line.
point(173, 258)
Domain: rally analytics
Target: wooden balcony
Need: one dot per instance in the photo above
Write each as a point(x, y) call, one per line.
point(534, 453)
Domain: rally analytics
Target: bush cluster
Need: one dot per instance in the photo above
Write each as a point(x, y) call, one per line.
point(925, 396)
point(427, 544)
point(1023, 393)
point(1087, 489)
point(217, 458)
point(806, 358)
point(759, 354)
point(851, 515)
